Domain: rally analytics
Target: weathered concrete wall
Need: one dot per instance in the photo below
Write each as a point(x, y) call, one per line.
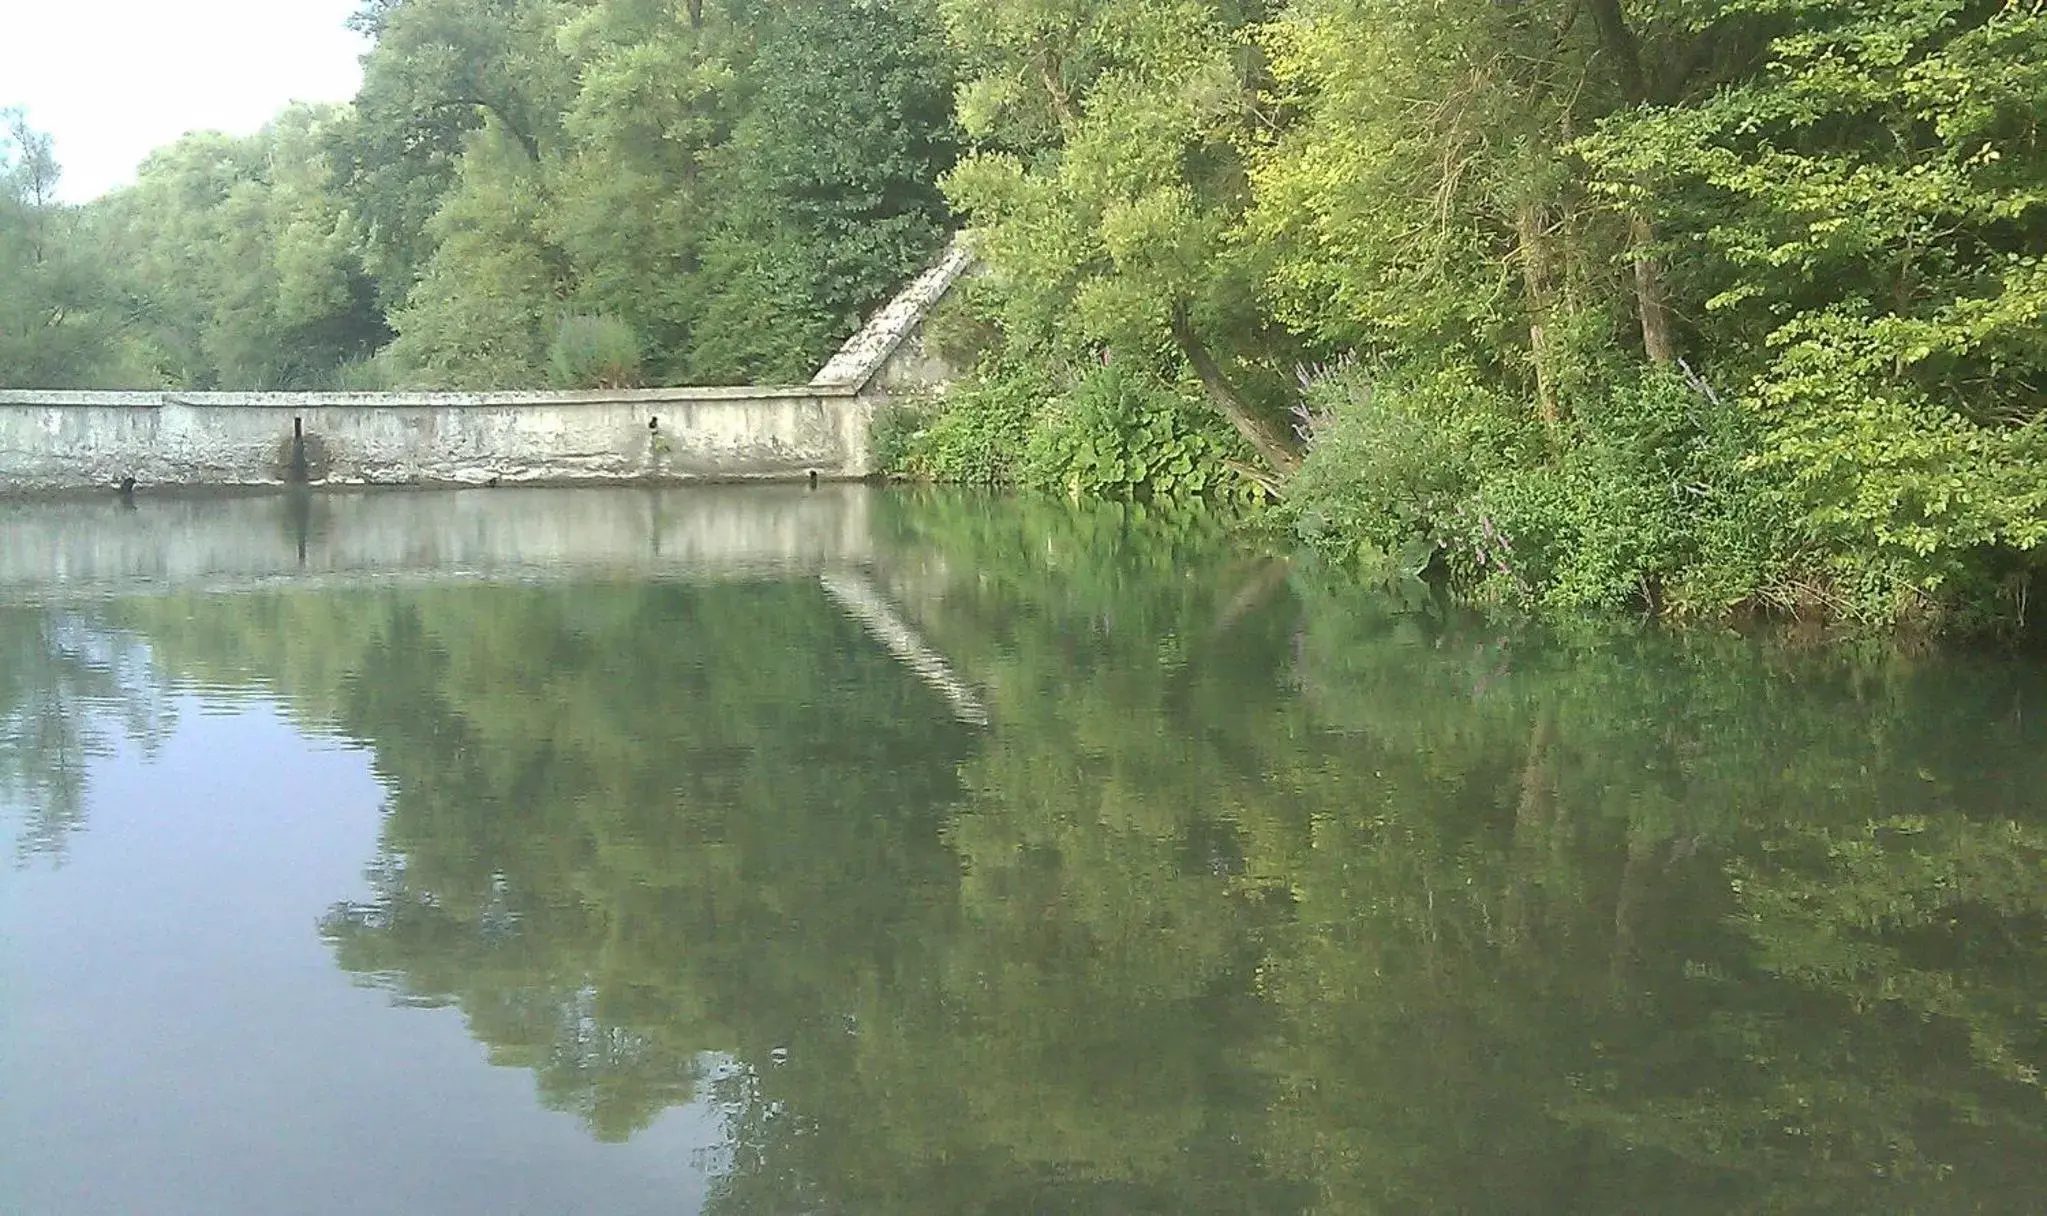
point(76, 548)
point(68, 441)
point(58, 441)
point(889, 354)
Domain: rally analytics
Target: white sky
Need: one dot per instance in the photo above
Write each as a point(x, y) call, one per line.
point(112, 80)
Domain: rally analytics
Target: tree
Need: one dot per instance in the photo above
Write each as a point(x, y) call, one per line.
point(237, 258)
point(57, 316)
point(828, 197)
point(1111, 179)
point(1865, 220)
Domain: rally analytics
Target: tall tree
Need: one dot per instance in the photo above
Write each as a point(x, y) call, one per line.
point(58, 322)
point(1111, 178)
point(239, 260)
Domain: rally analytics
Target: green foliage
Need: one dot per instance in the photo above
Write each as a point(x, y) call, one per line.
point(236, 261)
point(59, 320)
point(829, 201)
point(593, 352)
point(976, 434)
point(739, 184)
point(1117, 432)
point(1652, 501)
point(1865, 215)
point(373, 374)
point(1113, 431)
point(1653, 504)
point(481, 314)
point(1395, 461)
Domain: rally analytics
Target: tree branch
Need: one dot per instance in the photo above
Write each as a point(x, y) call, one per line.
point(531, 145)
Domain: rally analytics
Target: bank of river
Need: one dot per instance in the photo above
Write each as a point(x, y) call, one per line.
point(767, 850)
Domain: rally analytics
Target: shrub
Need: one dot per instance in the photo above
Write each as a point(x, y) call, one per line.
point(1114, 432)
point(1649, 496)
point(594, 351)
point(366, 374)
point(1395, 457)
point(1118, 432)
point(974, 435)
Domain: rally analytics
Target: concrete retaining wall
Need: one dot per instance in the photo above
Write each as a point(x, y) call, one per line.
point(52, 441)
point(69, 441)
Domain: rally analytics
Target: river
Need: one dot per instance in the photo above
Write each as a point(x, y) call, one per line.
point(850, 851)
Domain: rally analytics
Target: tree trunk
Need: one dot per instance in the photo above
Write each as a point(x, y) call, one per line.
point(1259, 432)
point(1536, 282)
point(1617, 39)
point(1049, 72)
point(1652, 299)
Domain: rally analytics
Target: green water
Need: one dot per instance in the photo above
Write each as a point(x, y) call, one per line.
point(987, 858)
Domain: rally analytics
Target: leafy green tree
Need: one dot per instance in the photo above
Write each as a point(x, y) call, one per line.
point(1111, 179)
point(1865, 217)
point(58, 313)
point(485, 308)
point(828, 195)
point(237, 258)
point(437, 71)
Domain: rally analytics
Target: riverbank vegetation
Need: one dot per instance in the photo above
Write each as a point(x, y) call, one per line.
point(1694, 308)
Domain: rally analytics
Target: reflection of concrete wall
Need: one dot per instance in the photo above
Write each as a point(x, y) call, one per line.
point(53, 441)
point(67, 548)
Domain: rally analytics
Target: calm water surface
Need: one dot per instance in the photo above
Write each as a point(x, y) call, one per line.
point(849, 852)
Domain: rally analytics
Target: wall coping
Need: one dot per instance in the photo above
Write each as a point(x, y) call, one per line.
point(865, 352)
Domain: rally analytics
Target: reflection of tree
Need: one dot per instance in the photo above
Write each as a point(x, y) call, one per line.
point(1600, 924)
point(1721, 926)
point(65, 681)
point(627, 826)
point(1249, 901)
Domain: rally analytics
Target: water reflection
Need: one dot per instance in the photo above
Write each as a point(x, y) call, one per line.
point(69, 688)
point(1239, 891)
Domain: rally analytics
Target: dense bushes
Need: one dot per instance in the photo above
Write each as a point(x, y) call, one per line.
point(1662, 495)
point(1104, 429)
point(1531, 221)
point(1651, 500)
point(594, 352)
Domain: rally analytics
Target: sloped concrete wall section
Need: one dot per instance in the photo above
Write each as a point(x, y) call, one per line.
point(888, 353)
point(53, 442)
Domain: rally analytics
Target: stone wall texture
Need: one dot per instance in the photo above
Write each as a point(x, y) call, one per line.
point(69, 441)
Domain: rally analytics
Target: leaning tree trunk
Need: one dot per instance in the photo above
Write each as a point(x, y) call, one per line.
point(1260, 432)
